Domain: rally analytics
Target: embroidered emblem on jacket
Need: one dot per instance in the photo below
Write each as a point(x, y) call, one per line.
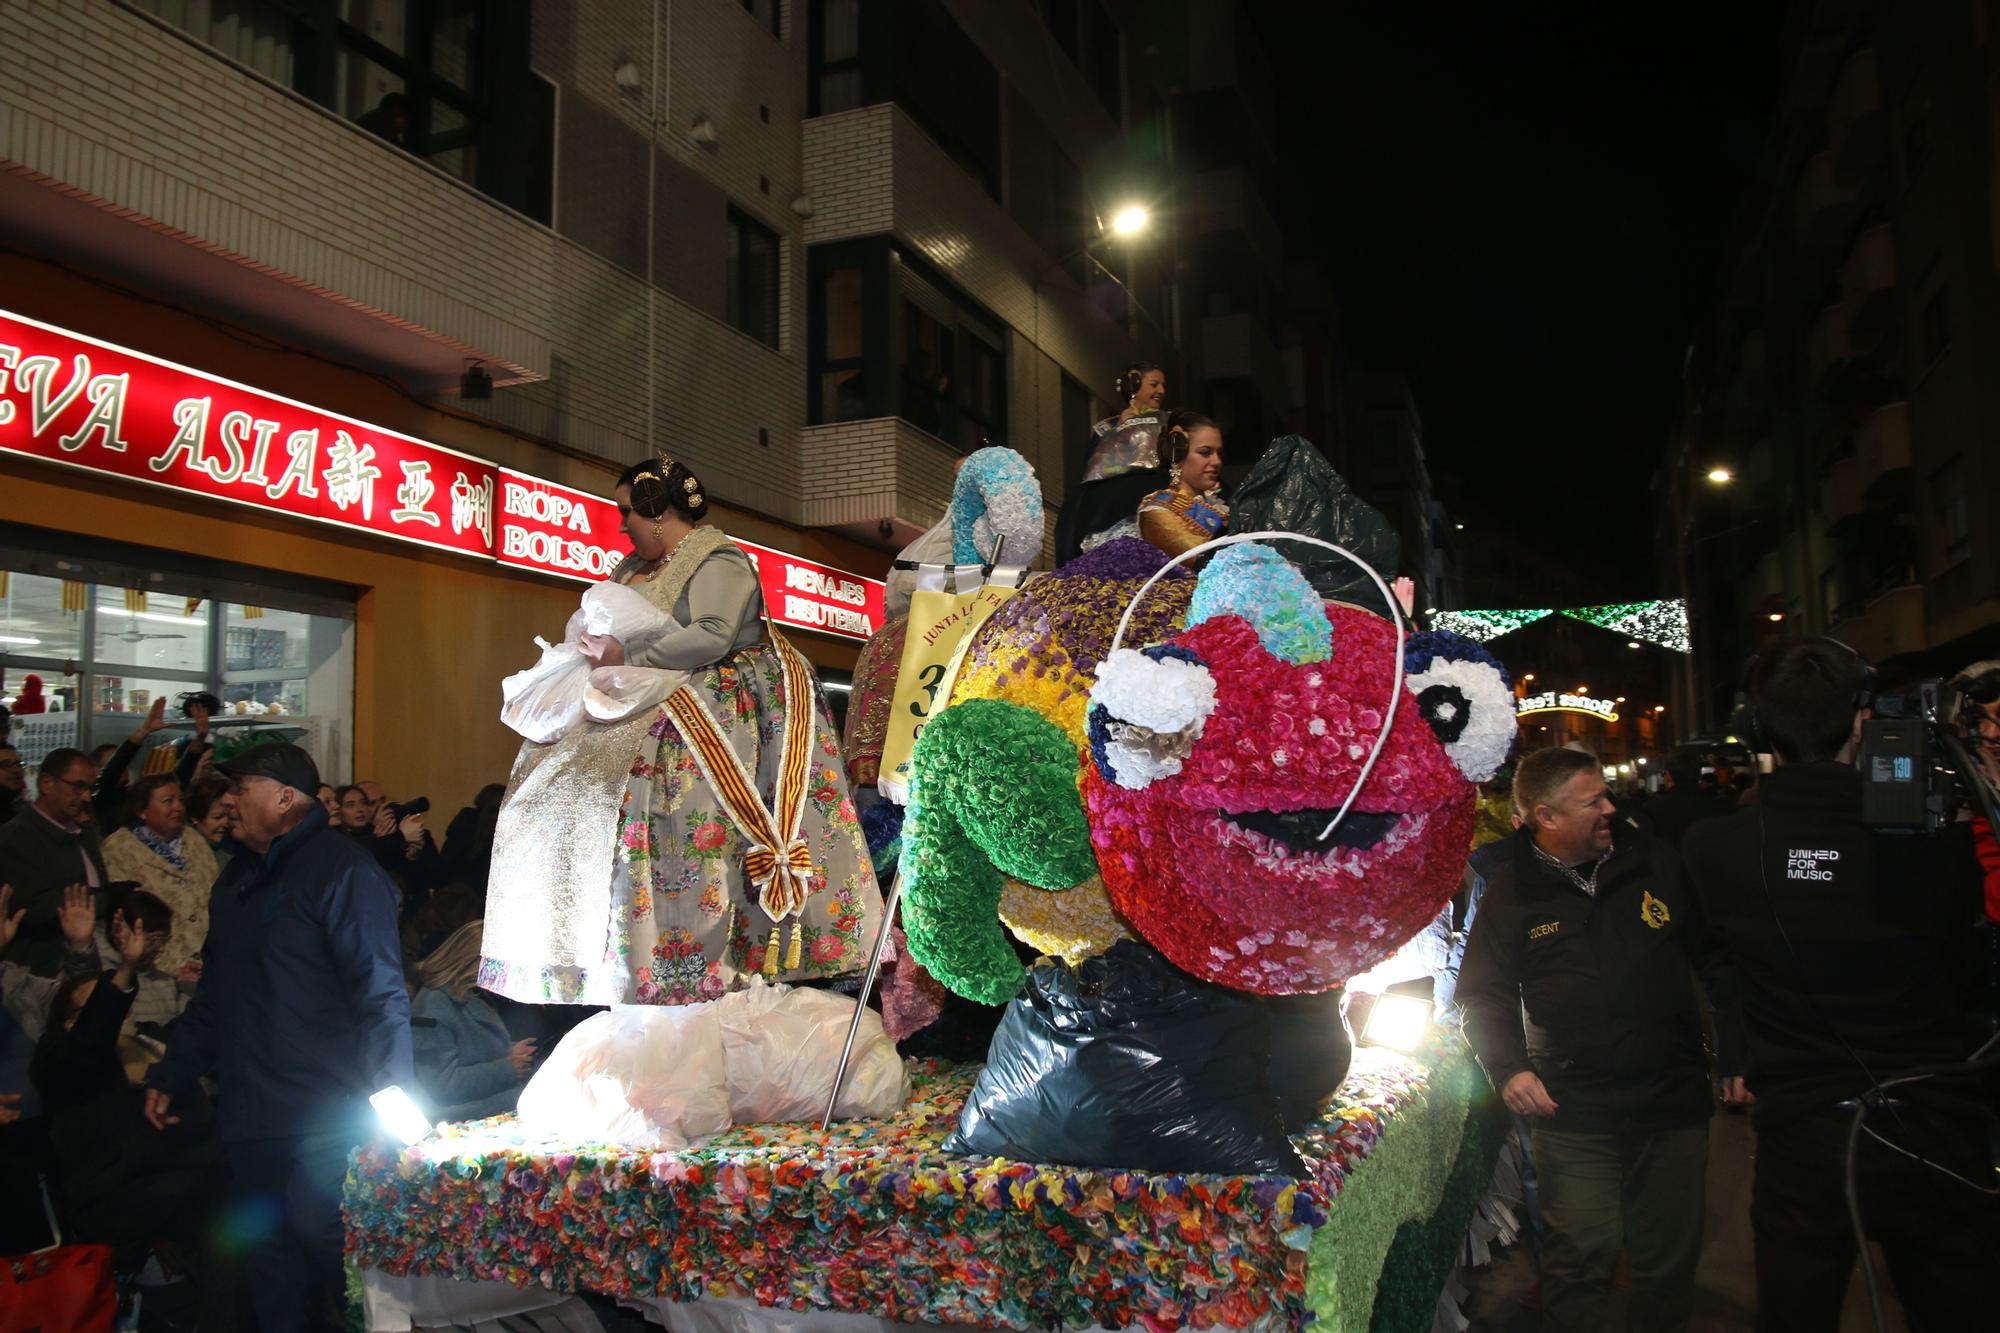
point(1654, 912)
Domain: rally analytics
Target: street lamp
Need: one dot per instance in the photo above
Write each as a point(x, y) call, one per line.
point(1130, 220)
point(1720, 476)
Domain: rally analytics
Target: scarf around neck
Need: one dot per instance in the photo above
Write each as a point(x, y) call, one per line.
point(169, 851)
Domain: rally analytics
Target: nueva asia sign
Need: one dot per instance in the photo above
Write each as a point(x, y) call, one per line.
point(83, 403)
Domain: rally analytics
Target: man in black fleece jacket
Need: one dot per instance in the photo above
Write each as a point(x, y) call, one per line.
point(1579, 1001)
point(1856, 958)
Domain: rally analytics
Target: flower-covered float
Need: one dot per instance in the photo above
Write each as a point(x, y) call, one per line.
point(996, 504)
point(1267, 791)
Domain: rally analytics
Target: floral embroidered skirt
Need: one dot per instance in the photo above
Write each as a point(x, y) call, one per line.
point(618, 878)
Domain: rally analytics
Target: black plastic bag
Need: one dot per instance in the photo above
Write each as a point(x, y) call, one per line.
point(1126, 1062)
point(1293, 488)
point(1311, 1049)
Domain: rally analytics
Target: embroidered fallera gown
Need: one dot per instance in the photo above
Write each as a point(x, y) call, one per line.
point(1175, 522)
point(618, 875)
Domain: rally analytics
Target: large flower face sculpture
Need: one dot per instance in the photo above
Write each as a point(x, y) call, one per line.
point(1214, 762)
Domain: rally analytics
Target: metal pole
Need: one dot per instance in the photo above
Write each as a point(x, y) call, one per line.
point(861, 1000)
point(875, 954)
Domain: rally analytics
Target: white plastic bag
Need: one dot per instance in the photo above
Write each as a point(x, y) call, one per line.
point(641, 1076)
point(781, 1045)
point(552, 696)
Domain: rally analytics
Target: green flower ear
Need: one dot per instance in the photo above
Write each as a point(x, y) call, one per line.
point(1257, 584)
point(992, 793)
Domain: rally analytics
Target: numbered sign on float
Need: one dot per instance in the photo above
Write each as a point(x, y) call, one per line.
point(941, 628)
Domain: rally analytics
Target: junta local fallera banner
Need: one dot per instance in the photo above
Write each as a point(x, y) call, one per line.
point(73, 400)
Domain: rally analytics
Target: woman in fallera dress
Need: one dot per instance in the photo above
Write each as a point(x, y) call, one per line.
point(1129, 440)
point(667, 857)
point(1188, 511)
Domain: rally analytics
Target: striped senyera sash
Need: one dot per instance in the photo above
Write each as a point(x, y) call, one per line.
point(778, 862)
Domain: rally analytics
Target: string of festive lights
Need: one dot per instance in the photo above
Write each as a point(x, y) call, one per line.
point(1663, 623)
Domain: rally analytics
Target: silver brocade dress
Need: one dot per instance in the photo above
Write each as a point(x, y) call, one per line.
point(617, 875)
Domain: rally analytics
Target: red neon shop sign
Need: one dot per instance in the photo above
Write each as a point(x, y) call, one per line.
point(86, 404)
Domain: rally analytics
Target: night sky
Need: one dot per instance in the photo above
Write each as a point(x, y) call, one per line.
point(1524, 207)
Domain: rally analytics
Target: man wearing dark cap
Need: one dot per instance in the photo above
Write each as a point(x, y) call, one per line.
point(300, 1015)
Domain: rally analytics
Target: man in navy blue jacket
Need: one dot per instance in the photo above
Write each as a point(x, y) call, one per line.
point(300, 1015)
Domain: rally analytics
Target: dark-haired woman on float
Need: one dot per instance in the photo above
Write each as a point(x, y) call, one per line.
point(1129, 440)
point(632, 861)
point(1188, 511)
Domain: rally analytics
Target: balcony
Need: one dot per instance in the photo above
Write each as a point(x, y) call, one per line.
point(1882, 446)
point(1827, 348)
point(1840, 491)
point(1827, 208)
point(1238, 346)
point(1888, 625)
point(1854, 124)
point(1868, 289)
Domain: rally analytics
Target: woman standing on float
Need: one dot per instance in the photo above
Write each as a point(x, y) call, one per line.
point(666, 857)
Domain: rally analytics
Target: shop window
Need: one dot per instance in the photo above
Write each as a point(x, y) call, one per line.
point(105, 652)
point(447, 80)
point(764, 11)
point(751, 289)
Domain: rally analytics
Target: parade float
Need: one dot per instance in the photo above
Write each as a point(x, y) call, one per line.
point(1203, 801)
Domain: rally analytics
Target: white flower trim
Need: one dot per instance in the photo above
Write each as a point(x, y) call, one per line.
point(1162, 695)
point(1489, 733)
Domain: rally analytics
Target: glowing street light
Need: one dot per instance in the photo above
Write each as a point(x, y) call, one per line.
point(1130, 220)
point(1721, 476)
point(1659, 708)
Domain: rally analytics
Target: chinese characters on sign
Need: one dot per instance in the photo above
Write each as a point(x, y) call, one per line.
point(72, 400)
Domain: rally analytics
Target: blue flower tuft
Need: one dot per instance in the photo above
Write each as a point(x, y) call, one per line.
point(1260, 586)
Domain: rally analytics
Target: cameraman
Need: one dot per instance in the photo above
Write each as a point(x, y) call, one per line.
point(1854, 961)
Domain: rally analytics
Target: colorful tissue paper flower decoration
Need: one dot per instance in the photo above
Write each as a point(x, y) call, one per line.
point(1254, 582)
point(1042, 648)
point(996, 496)
point(1218, 866)
point(992, 793)
point(1467, 696)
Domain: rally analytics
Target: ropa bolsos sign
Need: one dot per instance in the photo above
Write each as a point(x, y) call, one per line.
point(73, 400)
point(567, 532)
point(555, 529)
point(87, 404)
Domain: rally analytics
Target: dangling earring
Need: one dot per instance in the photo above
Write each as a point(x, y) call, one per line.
point(1173, 474)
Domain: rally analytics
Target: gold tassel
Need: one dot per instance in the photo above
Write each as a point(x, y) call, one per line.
point(797, 944)
point(193, 605)
point(253, 613)
point(135, 599)
point(771, 953)
point(75, 596)
point(3, 582)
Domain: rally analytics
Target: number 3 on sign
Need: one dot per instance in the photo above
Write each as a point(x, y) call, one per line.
point(928, 680)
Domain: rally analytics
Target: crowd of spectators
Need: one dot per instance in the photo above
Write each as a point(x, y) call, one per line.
point(106, 888)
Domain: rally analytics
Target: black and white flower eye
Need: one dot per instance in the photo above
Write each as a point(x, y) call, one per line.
point(1464, 694)
point(1147, 710)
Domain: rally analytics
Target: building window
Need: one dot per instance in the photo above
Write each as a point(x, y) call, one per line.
point(1953, 512)
point(764, 11)
point(982, 393)
point(1934, 327)
point(751, 288)
point(839, 372)
point(1079, 414)
point(926, 366)
point(836, 57)
point(446, 80)
point(1088, 36)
